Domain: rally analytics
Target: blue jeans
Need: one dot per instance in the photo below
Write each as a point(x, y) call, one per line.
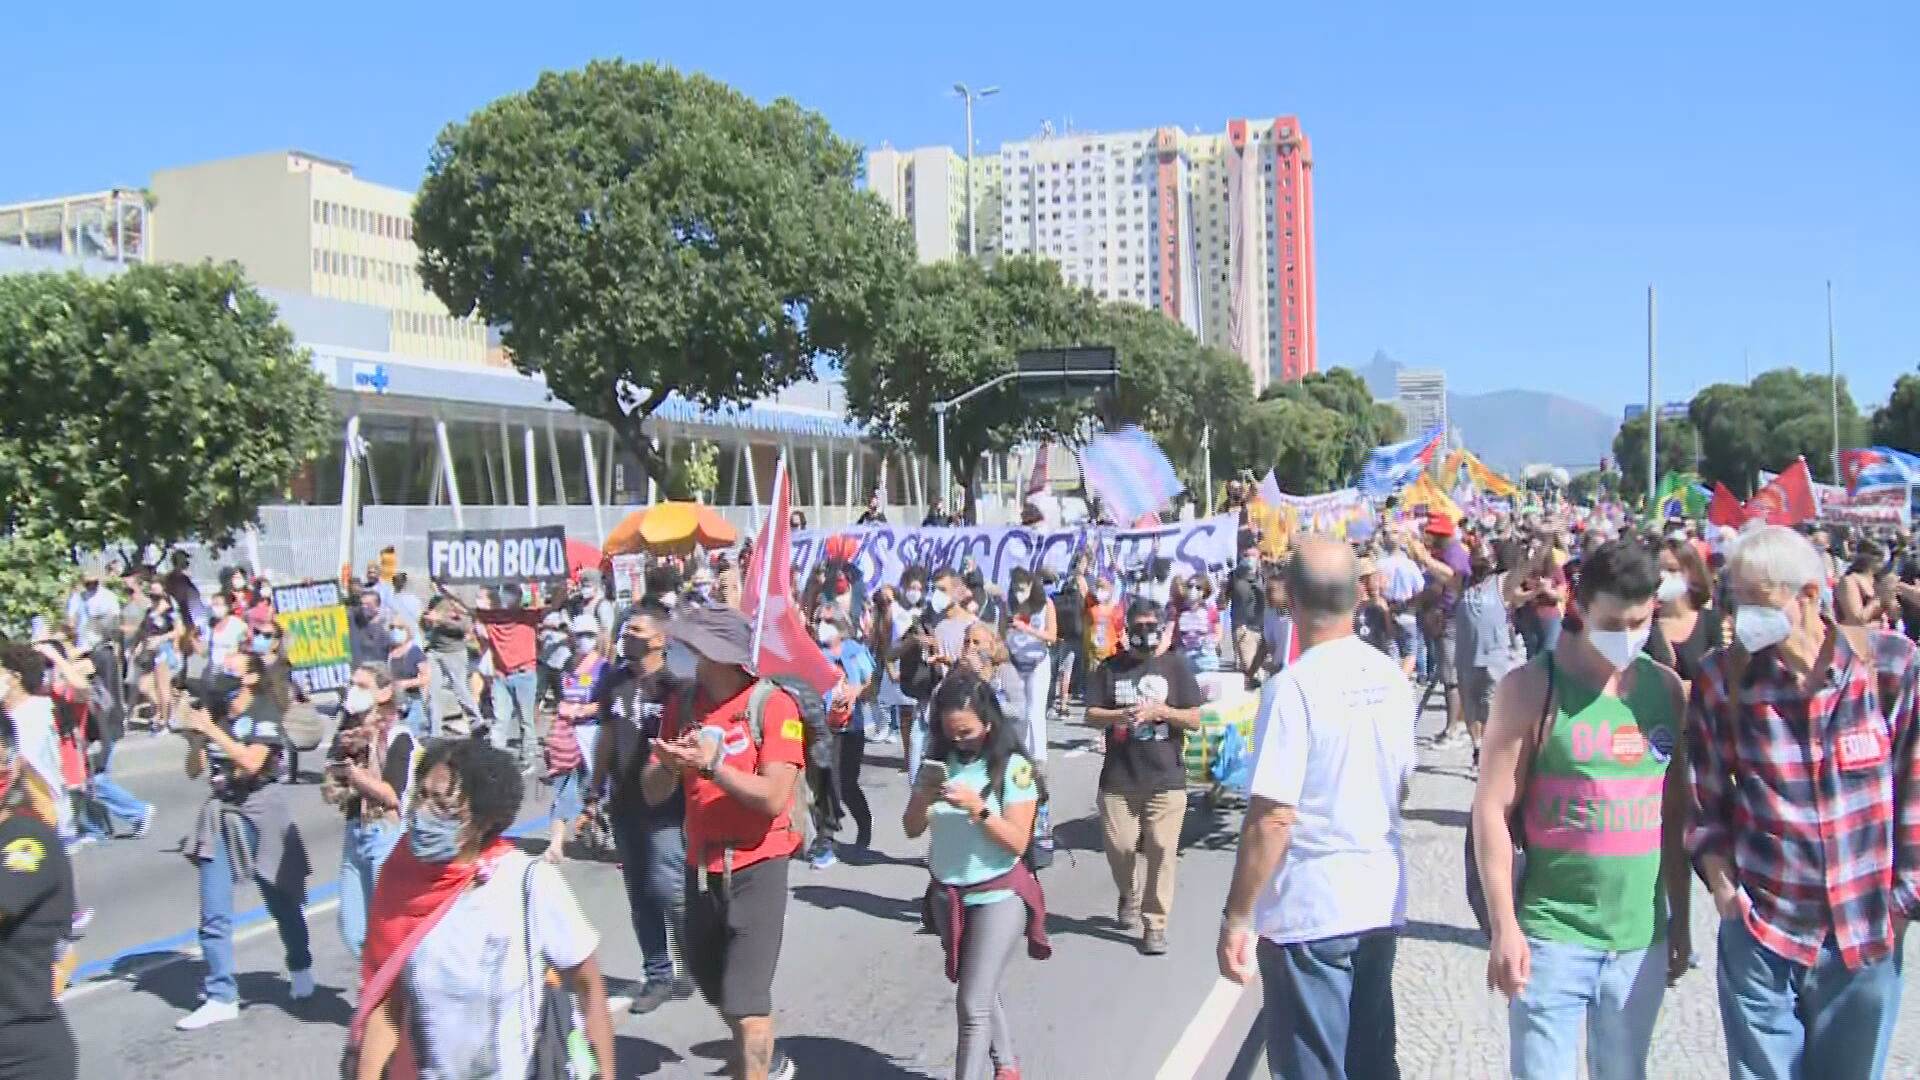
point(415, 718)
point(916, 743)
point(109, 801)
point(362, 852)
point(1780, 1016)
point(1617, 996)
point(1329, 1007)
point(216, 921)
point(653, 861)
point(515, 701)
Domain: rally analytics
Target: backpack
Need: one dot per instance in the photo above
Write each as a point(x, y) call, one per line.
point(810, 811)
point(917, 677)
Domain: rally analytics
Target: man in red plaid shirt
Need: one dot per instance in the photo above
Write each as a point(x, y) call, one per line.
point(1802, 738)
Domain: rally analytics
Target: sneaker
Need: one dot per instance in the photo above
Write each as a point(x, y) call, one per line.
point(302, 984)
point(782, 1068)
point(1007, 1072)
point(210, 1013)
point(1154, 943)
point(618, 1003)
point(823, 858)
point(141, 827)
point(1127, 915)
point(651, 998)
point(82, 918)
point(78, 843)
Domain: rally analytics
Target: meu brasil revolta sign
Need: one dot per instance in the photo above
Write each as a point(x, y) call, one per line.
point(313, 624)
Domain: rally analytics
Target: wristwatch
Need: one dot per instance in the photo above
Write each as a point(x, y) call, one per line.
point(983, 813)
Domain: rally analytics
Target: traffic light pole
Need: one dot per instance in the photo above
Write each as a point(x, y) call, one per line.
point(942, 408)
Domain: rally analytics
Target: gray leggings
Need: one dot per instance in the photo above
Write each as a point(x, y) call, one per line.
point(994, 932)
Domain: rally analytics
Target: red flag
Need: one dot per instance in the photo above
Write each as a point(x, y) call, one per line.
point(1040, 479)
point(1852, 462)
point(1725, 509)
point(1787, 499)
point(782, 645)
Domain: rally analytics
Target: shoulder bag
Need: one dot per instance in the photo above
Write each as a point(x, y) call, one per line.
point(1516, 819)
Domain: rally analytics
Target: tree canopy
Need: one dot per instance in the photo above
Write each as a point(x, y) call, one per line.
point(1782, 415)
point(629, 222)
point(1677, 441)
point(1330, 452)
point(162, 403)
point(1897, 423)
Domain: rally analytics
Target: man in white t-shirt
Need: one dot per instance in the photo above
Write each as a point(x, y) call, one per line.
point(1321, 876)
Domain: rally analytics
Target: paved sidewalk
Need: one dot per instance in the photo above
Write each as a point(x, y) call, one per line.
point(1451, 1025)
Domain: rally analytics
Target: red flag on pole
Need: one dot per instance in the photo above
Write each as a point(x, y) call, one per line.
point(1041, 478)
point(781, 643)
point(1725, 509)
point(1787, 499)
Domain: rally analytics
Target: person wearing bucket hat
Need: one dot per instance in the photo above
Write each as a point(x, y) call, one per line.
point(1448, 568)
point(739, 786)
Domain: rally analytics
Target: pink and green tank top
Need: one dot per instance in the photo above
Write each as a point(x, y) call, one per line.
point(1593, 815)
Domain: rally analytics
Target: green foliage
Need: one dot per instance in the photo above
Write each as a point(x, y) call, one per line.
point(1677, 442)
point(954, 327)
point(1357, 425)
point(162, 403)
point(37, 572)
point(1174, 386)
point(1588, 487)
point(695, 476)
point(1301, 440)
point(1897, 423)
point(1782, 415)
point(630, 221)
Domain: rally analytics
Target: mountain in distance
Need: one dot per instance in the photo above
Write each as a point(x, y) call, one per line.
point(1511, 429)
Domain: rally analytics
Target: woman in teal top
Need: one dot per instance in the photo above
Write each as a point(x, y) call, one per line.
point(980, 808)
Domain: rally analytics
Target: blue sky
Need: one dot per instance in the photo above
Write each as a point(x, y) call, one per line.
point(1495, 188)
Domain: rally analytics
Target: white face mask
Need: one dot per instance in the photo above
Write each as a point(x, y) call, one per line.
point(827, 634)
point(1105, 594)
point(1020, 594)
point(939, 601)
point(1672, 587)
point(359, 701)
point(1619, 647)
point(912, 597)
point(1758, 626)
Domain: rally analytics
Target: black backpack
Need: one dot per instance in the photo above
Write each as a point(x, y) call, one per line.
point(917, 677)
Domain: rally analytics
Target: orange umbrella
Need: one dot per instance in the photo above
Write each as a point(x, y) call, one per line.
point(671, 527)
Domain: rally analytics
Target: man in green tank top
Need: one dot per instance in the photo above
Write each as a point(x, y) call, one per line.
point(1586, 744)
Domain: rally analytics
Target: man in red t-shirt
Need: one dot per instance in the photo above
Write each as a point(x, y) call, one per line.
point(740, 835)
point(510, 632)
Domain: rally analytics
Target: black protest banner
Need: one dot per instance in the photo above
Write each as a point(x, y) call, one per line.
point(497, 556)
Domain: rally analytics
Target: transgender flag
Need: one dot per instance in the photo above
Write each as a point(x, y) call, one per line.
point(1392, 467)
point(1129, 474)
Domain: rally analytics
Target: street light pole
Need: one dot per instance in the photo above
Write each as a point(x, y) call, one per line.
point(1833, 383)
point(942, 408)
point(968, 97)
point(1653, 408)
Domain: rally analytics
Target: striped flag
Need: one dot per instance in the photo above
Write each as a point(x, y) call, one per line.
point(1129, 474)
point(1392, 467)
point(1878, 467)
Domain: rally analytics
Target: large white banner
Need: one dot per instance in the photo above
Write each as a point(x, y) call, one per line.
point(883, 552)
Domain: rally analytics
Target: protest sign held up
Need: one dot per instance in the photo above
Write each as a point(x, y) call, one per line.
point(497, 556)
point(313, 620)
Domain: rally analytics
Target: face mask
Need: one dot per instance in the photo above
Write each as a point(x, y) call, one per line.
point(585, 642)
point(1105, 594)
point(827, 634)
point(359, 701)
point(262, 643)
point(939, 601)
point(634, 648)
point(912, 597)
point(1144, 639)
point(432, 837)
point(1619, 647)
point(968, 749)
point(1759, 627)
point(1020, 594)
point(218, 611)
point(223, 687)
point(1248, 565)
point(1672, 587)
point(397, 636)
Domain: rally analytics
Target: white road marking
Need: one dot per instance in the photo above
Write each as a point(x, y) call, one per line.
point(1203, 1031)
point(155, 963)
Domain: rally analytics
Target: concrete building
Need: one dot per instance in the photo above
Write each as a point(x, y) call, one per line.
point(307, 225)
point(109, 225)
point(1215, 230)
point(1422, 399)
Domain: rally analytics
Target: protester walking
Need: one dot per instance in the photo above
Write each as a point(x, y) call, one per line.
point(1448, 567)
point(734, 745)
point(978, 794)
point(369, 777)
point(846, 711)
point(633, 698)
point(1811, 855)
point(245, 831)
point(574, 735)
point(468, 937)
point(1145, 702)
point(1598, 928)
point(1032, 628)
point(510, 631)
point(1320, 879)
point(36, 917)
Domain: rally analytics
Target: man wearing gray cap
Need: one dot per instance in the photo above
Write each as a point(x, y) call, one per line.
point(735, 744)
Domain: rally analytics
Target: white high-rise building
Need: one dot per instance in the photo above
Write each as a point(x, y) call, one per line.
point(1215, 230)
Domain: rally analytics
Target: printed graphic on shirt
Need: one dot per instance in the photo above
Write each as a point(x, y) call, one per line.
point(1134, 690)
point(23, 856)
point(1020, 775)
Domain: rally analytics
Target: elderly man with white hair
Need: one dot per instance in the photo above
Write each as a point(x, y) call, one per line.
point(1802, 742)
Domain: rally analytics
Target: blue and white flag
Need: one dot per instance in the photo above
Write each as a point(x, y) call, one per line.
point(1129, 473)
point(1392, 467)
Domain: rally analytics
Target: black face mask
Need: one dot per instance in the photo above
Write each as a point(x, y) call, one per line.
point(1144, 638)
point(222, 687)
point(635, 648)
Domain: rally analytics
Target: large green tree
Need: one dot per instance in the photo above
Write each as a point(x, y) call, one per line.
point(628, 222)
point(1364, 422)
point(1781, 415)
point(1300, 440)
point(156, 405)
point(1897, 423)
point(1174, 386)
point(1678, 441)
point(955, 326)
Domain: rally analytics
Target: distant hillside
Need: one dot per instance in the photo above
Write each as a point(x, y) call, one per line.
point(1513, 428)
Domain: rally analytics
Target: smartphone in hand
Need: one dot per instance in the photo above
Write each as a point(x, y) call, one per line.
point(933, 774)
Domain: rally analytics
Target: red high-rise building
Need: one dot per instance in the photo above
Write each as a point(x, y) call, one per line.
point(1296, 353)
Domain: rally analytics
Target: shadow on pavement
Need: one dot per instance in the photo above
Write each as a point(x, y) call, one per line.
point(633, 1056)
point(1439, 815)
point(178, 984)
point(1444, 933)
point(829, 898)
point(818, 1056)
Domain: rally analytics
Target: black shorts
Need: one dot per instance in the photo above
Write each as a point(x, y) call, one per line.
point(38, 1050)
point(733, 936)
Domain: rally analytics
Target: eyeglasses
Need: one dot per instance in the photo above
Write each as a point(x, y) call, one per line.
point(447, 802)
